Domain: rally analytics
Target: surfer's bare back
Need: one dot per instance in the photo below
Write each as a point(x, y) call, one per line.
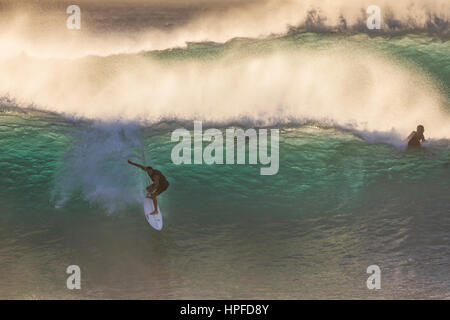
point(160, 184)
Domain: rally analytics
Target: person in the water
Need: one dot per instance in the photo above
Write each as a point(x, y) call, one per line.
point(415, 137)
point(160, 184)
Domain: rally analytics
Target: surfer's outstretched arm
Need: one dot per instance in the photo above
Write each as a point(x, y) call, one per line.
point(136, 165)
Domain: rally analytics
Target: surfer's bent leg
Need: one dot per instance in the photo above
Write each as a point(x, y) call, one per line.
point(150, 189)
point(155, 205)
point(160, 190)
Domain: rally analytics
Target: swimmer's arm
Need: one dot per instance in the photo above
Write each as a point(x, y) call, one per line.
point(411, 135)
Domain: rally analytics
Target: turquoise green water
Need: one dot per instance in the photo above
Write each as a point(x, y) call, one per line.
point(342, 200)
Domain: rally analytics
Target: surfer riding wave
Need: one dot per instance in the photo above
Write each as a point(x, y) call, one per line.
point(159, 185)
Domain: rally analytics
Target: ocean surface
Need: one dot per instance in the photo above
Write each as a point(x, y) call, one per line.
point(347, 194)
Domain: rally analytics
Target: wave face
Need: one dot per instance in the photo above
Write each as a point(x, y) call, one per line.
point(347, 195)
point(336, 201)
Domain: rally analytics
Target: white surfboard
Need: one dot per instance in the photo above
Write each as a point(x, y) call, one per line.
point(155, 220)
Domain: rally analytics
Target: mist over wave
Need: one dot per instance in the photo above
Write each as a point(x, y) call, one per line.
point(107, 28)
point(364, 91)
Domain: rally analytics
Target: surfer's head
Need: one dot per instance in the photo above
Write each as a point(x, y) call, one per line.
point(420, 128)
point(149, 169)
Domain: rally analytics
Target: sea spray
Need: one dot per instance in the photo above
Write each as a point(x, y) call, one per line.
point(94, 166)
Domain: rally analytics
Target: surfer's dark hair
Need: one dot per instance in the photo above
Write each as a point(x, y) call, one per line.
point(149, 168)
point(420, 127)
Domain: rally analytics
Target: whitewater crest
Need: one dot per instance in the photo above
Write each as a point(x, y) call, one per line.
point(364, 91)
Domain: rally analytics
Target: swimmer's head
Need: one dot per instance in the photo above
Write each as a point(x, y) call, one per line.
point(420, 128)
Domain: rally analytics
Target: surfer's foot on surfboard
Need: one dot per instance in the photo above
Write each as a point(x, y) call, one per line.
point(154, 212)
